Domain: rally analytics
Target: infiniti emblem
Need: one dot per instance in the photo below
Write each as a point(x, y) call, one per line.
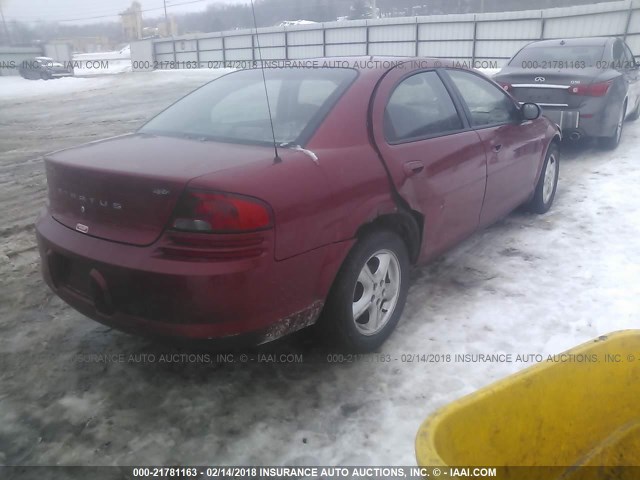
point(82, 209)
point(540, 79)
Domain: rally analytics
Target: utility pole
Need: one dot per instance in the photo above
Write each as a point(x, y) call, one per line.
point(166, 19)
point(4, 23)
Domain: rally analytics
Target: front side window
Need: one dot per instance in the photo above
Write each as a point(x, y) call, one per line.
point(234, 108)
point(488, 104)
point(420, 106)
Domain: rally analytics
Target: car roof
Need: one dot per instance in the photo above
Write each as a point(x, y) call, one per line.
point(374, 66)
point(573, 42)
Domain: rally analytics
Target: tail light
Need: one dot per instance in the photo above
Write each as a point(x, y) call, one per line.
point(217, 212)
point(505, 86)
point(593, 90)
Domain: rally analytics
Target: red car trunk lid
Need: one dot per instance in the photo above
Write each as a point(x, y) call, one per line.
point(125, 189)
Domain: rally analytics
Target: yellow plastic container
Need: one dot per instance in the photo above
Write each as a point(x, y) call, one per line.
point(581, 408)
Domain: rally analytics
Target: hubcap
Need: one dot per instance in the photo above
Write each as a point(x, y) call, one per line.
point(376, 292)
point(549, 179)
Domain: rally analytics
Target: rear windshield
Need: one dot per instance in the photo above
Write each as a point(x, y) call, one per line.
point(560, 56)
point(234, 109)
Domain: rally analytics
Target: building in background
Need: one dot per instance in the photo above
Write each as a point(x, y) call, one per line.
point(132, 22)
point(169, 28)
point(88, 44)
point(159, 29)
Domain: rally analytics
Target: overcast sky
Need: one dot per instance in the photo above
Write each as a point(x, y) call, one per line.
point(57, 10)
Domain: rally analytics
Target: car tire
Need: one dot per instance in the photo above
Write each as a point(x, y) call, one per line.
point(545, 191)
point(44, 76)
point(374, 275)
point(612, 142)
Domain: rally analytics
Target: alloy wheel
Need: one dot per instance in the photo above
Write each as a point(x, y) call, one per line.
point(549, 178)
point(376, 292)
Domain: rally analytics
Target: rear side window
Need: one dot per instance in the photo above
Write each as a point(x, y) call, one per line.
point(234, 108)
point(488, 104)
point(419, 107)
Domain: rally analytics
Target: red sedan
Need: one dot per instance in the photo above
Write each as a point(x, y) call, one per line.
point(199, 225)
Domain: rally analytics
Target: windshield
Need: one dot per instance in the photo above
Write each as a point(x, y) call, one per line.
point(558, 56)
point(234, 109)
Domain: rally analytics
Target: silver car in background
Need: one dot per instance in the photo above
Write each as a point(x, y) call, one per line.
point(588, 86)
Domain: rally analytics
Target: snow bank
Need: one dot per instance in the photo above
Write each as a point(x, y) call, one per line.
point(103, 63)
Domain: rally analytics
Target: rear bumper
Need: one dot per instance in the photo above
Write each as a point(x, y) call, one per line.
point(595, 118)
point(135, 289)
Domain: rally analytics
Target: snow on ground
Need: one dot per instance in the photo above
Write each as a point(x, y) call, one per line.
point(122, 54)
point(87, 68)
point(103, 63)
point(528, 285)
point(14, 88)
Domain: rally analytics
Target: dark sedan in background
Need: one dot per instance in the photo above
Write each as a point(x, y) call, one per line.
point(44, 68)
point(588, 86)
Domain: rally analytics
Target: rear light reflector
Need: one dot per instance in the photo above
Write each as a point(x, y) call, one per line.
point(218, 212)
point(593, 90)
point(195, 247)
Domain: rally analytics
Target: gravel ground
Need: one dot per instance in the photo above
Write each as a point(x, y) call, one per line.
point(527, 285)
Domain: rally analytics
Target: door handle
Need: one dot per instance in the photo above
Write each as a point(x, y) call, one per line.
point(497, 148)
point(411, 168)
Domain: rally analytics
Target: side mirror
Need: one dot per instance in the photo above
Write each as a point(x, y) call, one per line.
point(531, 111)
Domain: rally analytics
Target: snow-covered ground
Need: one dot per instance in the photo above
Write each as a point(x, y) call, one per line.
point(528, 285)
point(103, 63)
point(14, 88)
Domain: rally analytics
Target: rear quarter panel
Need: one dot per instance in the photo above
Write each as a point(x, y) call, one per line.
point(317, 203)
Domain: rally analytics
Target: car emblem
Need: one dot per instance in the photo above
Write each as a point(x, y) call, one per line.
point(161, 191)
point(540, 79)
point(82, 228)
point(82, 209)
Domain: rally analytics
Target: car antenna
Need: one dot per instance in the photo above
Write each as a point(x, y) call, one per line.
point(277, 158)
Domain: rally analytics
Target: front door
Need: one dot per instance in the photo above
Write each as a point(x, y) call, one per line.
point(513, 147)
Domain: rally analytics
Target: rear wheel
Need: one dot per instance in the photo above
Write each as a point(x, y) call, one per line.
point(369, 293)
point(612, 142)
point(547, 184)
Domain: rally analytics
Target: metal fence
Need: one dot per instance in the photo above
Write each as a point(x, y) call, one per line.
point(488, 37)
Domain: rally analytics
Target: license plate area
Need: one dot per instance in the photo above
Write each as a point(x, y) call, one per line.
point(567, 119)
point(70, 273)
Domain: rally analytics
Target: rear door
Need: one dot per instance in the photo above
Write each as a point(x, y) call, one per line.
point(437, 163)
point(513, 147)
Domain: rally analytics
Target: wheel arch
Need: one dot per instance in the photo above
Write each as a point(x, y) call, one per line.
point(406, 223)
